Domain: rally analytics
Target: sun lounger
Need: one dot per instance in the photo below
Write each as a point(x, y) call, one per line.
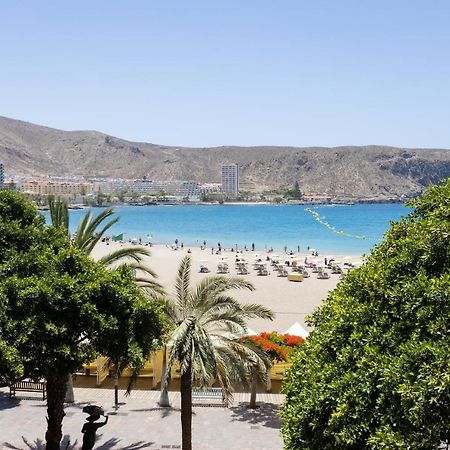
point(222, 268)
point(242, 270)
point(322, 274)
point(282, 271)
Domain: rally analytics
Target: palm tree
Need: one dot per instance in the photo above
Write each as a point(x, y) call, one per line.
point(89, 232)
point(204, 343)
point(92, 229)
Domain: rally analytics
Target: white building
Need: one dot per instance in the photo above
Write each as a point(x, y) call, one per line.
point(2, 176)
point(179, 189)
point(230, 179)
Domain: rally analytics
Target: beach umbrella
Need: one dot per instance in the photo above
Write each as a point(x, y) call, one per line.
point(297, 330)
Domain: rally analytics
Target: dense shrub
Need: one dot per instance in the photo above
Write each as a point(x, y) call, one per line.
point(375, 372)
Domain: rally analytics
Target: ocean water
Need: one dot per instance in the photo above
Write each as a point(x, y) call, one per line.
point(266, 226)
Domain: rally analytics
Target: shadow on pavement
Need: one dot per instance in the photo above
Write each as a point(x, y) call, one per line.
point(266, 415)
point(8, 403)
point(112, 443)
point(165, 412)
point(115, 444)
point(39, 444)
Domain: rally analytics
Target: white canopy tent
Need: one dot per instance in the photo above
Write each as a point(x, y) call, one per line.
point(297, 330)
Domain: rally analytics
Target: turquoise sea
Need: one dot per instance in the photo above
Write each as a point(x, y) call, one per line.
point(264, 225)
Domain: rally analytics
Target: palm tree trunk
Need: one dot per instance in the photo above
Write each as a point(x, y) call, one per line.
point(56, 391)
point(164, 397)
point(252, 404)
point(186, 409)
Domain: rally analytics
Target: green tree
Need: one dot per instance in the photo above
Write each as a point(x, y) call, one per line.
point(62, 320)
point(375, 372)
point(59, 308)
point(206, 319)
point(294, 193)
point(89, 232)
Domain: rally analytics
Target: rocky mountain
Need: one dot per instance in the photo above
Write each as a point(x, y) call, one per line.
point(369, 171)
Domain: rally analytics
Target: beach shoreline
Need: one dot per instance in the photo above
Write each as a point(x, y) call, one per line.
point(290, 301)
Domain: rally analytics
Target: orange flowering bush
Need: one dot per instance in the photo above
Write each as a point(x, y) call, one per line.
point(279, 347)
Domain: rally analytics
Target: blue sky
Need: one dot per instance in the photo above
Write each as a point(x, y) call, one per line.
point(244, 72)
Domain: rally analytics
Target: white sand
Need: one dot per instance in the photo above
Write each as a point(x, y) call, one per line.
point(291, 301)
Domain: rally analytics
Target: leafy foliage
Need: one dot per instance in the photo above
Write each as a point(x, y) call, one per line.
point(279, 347)
point(21, 227)
point(375, 372)
point(58, 321)
point(59, 308)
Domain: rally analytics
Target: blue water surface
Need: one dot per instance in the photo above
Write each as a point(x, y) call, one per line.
point(266, 226)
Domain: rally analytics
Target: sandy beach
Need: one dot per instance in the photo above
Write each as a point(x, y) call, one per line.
point(291, 301)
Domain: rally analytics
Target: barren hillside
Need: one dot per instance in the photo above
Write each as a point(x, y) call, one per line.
point(363, 171)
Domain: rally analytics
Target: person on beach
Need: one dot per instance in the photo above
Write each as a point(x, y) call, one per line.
point(253, 247)
point(285, 249)
point(212, 250)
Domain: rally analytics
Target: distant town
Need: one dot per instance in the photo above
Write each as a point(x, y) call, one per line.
point(94, 191)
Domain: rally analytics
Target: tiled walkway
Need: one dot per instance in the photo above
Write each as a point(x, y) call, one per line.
point(139, 423)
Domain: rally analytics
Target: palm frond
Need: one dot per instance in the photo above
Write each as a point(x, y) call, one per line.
point(139, 267)
point(152, 287)
point(134, 253)
point(170, 309)
point(182, 285)
point(252, 310)
point(87, 234)
point(59, 214)
point(207, 322)
point(210, 289)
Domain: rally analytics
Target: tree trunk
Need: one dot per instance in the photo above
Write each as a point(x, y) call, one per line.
point(186, 409)
point(164, 397)
point(116, 386)
point(70, 398)
point(252, 404)
point(56, 391)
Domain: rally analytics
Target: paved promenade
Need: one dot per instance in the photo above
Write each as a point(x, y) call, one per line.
point(139, 423)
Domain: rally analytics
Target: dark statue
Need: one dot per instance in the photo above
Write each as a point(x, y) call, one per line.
point(90, 427)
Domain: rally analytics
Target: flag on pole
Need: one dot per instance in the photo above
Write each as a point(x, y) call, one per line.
point(119, 237)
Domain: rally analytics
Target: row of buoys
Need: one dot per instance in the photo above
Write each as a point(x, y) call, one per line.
point(322, 221)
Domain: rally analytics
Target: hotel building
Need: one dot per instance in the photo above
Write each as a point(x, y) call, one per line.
point(181, 190)
point(230, 179)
